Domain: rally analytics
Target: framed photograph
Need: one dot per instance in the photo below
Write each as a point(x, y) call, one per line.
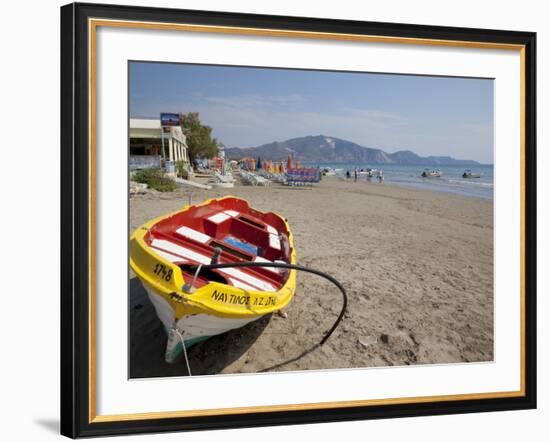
point(274, 220)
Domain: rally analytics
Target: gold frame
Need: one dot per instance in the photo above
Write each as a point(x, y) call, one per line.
point(93, 24)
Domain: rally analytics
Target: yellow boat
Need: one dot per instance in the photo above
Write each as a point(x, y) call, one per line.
point(167, 255)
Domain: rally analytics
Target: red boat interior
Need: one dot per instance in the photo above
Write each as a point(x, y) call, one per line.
point(229, 225)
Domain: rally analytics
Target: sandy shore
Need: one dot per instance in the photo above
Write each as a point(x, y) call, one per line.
point(417, 265)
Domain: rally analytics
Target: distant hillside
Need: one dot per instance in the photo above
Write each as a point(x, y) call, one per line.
point(324, 149)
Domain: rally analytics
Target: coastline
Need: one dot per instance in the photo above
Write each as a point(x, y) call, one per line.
point(417, 265)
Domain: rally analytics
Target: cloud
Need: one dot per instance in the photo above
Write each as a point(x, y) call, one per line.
point(252, 120)
point(256, 101)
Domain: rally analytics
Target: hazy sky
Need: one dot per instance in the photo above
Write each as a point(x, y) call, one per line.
point(252, 106)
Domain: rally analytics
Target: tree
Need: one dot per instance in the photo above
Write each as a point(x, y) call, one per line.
point(199, 137)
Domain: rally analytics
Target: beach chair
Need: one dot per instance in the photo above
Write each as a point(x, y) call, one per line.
point(303, 176)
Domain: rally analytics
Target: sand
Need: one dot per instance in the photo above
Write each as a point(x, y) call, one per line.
point(417, 266)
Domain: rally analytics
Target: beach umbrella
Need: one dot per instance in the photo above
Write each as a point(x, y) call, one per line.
point(297, 164)
point(259, 163)
point(289, 162)
point(252, 164)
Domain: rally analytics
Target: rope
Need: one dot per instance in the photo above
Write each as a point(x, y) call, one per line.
point(177, 331)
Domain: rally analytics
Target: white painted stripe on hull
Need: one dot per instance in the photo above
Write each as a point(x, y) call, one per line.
point(231, 213)
point(272, 229)
point(240, 284)
point(218, 217)
point(169, 256)
point(271, 269)
point(274, 241)
point(193, 234)
point(174, 258)
point(181, 251)
point(203, 259)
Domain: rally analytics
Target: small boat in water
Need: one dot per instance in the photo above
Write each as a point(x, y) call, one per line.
point(327, 171)
point(167, 254)
point(427, 173)
point(369, 172)
point(469, 174)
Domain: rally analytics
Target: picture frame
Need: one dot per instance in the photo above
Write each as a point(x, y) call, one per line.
point(79, 180)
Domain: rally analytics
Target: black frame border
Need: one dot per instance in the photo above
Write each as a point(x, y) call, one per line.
point(75, 220)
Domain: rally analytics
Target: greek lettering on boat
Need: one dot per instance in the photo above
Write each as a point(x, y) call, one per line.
point(229, 298)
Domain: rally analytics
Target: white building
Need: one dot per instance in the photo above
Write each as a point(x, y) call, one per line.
point(146, 143)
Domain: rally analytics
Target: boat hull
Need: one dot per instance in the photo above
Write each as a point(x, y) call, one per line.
point(215, 307)
point(193, 328)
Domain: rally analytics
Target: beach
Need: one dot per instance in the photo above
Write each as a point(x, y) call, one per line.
point(417, 266)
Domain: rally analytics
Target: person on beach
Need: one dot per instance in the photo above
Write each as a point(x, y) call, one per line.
point(348, 176)
point(380, 176)
point(355, 174)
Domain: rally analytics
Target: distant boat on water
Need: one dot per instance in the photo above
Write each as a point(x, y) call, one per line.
point(469, 174)
point(327, 171)
point(427, 173)
point(369, 172)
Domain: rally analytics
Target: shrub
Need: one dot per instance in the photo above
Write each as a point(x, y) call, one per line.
point(182, 170)
point(155, 179)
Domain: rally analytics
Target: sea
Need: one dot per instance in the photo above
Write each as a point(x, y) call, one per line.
point(451, 180)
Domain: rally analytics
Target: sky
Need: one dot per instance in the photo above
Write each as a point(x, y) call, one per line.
point(248, 107)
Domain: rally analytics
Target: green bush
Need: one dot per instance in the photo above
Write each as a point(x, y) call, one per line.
point(155, 179)
point(182, 170)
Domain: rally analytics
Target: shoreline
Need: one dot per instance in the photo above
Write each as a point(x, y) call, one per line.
point(451, 180)
point(417, 265)
point(411, 186)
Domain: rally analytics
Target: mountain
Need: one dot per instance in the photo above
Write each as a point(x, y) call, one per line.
point(332, 150)
point(406, 157)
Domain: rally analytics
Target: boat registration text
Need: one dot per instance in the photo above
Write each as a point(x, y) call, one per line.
point(229, 298)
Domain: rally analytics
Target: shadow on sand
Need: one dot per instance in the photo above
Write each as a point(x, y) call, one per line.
point(148, 342)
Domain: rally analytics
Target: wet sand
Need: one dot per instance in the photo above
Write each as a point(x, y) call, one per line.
point(417, 266)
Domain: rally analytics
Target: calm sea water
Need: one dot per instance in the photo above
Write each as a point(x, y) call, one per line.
point(451, 180)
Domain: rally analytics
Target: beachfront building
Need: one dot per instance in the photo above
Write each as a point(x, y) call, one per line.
point(146, 144)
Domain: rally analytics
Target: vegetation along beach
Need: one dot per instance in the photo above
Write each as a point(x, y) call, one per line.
point(417, 266)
